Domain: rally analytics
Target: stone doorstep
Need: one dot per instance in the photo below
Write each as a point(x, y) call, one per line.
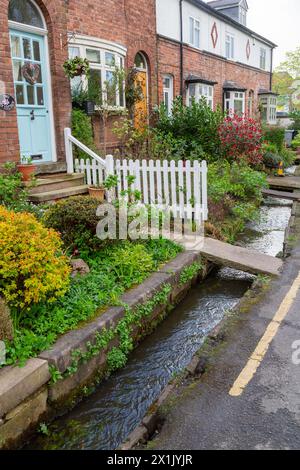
point(18, 383)
point(60, 355)
point(23, 418)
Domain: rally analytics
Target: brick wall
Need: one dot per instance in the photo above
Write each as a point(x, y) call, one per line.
point(209, 67)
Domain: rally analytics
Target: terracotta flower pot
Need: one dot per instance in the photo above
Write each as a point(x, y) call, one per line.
point(97, 193)
point(26, 170)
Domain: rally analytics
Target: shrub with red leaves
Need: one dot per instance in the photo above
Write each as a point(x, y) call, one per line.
point(241, 138)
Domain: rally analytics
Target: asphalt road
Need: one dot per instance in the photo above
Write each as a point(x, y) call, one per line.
point(267, 414)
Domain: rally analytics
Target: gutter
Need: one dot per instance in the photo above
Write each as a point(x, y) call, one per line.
point(181, 47)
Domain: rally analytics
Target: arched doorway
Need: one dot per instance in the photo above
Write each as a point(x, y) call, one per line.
point(141, 79)
point(30, 61)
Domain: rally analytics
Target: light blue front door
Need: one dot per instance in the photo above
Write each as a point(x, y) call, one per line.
point(32, 95)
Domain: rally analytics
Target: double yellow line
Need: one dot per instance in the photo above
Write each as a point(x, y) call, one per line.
point(258, 355)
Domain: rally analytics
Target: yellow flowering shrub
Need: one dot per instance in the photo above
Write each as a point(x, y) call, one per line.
point(32, 266)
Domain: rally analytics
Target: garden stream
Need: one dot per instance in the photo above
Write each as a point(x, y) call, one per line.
point(105, 418)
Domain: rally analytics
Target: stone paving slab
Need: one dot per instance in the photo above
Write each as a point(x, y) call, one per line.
point(18, 383)
point(240, 258)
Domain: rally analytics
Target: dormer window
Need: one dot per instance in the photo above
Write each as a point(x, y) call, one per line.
point(243, 16)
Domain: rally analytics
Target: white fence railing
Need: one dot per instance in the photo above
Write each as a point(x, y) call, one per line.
point(178, 185)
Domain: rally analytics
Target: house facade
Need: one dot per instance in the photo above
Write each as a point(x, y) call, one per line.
point(207, 50)
point(179, 47)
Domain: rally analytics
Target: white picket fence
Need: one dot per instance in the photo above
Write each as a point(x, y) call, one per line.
point(180, 186)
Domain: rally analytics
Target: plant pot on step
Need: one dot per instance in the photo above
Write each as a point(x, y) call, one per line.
point(97, 192)
point(26, 168)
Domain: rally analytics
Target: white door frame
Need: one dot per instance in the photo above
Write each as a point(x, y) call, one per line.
point(42, 32)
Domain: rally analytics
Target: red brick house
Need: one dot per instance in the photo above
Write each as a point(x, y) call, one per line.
point(183, 47)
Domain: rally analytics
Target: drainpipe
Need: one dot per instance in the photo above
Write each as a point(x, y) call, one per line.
point(181, 47)
point(271, 70)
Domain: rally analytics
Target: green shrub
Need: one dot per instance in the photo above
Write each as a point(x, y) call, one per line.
point(274, 135)
point(237, 180)
point(82, 130)
point(32, 266)
point(272, 160)
point(287, 157)
point(295, 116)
point(196, 125)
point(296, 142)
point(75, 219)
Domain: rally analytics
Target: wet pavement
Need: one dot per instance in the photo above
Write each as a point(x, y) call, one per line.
point(267, 414)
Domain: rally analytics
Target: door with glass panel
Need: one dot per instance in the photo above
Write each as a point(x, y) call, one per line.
point(32, 94)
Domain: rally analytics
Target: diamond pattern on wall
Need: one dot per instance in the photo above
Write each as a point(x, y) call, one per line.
point(248, 49)
point(214, 34)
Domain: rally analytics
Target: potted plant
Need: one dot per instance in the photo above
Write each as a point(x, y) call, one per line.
point(97, 192)
point(76, 67)
point(26, 168)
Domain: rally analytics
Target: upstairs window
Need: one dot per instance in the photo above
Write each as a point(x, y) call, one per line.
point(263, 57)
point(229, 46)
point(195, 32)
point(196, 91)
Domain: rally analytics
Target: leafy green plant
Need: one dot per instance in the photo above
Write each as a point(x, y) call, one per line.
point(75, 219)
point(189, 273)
point(296, 142)
point(82, 130)
point(295, 116)
point(196, 124)
point(274, 135)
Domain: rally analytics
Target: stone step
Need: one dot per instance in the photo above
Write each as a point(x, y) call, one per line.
point(284, 182)
point(57, 182)
point(240, 258)
point(293, 196)
point(50, 168)
point(59, 194)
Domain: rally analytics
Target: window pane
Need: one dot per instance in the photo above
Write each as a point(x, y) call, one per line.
point(74, 52)
point(24, 11)
point(27, 48)
point(40, 96)
point(95, 86)
point(139, 61)
point(15, 46)
point(17, 67)
point(110, 59)
point(238, 107)
point(191, 30)
point(36, 51)
point(166, 82)
point(93, 56)
point(30, 94)
point(20, 94)
point(197, 38)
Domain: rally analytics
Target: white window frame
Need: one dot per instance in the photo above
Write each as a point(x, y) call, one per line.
point(263, 58)
point(243, 16)
point(229, 46)
point(202, 90)
point(269, 105)
point(229, 101)
point(85, 43)
point(168, 92)
point(194, 31)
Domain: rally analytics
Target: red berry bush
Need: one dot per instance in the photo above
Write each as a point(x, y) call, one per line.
point(241, 138)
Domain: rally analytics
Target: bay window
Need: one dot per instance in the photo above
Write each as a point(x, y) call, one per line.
point(268, 105)
point(196, 91)
point(104, 83)
point(234, 102)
